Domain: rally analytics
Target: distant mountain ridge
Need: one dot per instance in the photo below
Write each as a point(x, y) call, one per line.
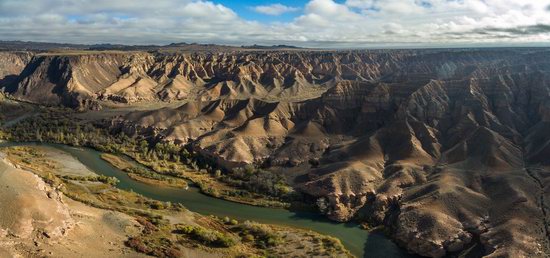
point(51, 46)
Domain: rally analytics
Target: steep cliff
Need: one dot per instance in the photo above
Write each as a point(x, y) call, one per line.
point(11, 65)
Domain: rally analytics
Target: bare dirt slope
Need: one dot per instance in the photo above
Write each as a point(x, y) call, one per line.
point(442, 146)
point(38, 221)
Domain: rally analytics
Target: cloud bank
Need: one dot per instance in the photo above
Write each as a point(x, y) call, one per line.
point(319, 23)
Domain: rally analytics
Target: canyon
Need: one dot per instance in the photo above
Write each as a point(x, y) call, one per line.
point(447, 148)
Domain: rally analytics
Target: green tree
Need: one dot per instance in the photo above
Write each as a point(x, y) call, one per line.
point(143, 147)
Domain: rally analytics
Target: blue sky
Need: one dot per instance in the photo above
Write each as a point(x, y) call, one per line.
point(245, 9)
point(307, 23)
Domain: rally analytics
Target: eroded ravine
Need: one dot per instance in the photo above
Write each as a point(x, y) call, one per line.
point(541, 200)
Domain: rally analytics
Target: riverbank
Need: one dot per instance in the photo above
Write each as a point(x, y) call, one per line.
point(165, 159)
point(208, 183)
point(39, 221)
point(164, 218)
point(73, 132)
point(358, 241)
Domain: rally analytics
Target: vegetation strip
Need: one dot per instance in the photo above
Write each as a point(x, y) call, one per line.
point(247, 185)
point(161, 237)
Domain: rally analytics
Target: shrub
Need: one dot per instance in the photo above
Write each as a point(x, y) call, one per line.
point(173, 252)
point(206, 236)
point(148, 227)
point(137, 244)
point(157, 205)
point(263, 235)
point(226, 220)
point(332, 243)
point(248, 238)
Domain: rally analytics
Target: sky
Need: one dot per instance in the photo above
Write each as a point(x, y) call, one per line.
point(305, 23)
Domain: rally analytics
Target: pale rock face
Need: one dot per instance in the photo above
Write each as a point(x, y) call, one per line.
point(11, 65)
point(30, 208)
point(431, 143)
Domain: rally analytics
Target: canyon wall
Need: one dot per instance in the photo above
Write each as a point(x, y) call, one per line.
point(447, 148)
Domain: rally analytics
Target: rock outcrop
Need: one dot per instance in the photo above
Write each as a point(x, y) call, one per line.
point(11, 65)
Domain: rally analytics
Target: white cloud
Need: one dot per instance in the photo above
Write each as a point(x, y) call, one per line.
point(325, 23)
point(391, 6)
point(275, 9)
point(122, 21)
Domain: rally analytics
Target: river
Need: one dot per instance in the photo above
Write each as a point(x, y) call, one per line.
point(360, 242)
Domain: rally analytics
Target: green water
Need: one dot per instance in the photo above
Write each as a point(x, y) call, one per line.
point(358, 241)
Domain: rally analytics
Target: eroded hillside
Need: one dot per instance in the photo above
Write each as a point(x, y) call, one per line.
point(445, 147)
